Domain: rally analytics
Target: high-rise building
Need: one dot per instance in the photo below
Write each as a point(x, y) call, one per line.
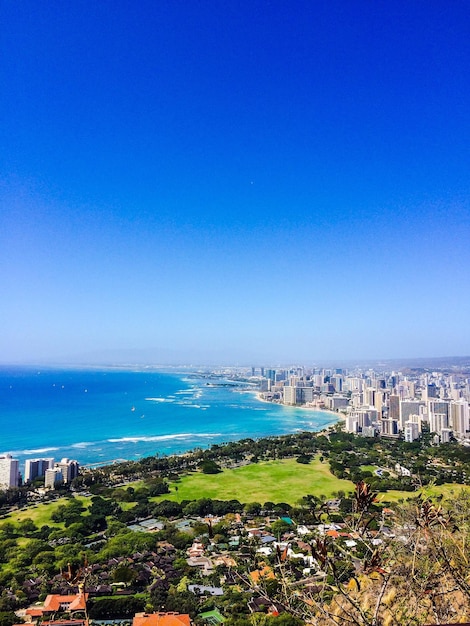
point(460, 418)
point(445, 435)
point(317, 380)
point(411, 431)
point(69, 469)
point(53, 478)
point(369, 396)
point(9, 472)
point(290, 395)
point(271, 374)
point(408, 408)
point(337, 382)
point(389, 428)
point(306, 394)
point(352, 384)
point(438, 415)
point(394, 407)
point(430, 391)
point(36, 468)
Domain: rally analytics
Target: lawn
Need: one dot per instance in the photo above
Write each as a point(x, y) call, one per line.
point(369, 468)
point(41, 513)
point(270, 481)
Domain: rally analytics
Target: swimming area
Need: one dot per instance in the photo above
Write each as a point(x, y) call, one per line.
point(98, 416)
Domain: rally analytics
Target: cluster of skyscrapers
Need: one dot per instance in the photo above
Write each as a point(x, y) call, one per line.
point(390, 404)
point(54, 474)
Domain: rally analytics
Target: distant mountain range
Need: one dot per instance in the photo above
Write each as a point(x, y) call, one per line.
point(161, 358)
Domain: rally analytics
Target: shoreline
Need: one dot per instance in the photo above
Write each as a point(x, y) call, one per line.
point(302, 407)
point(110, 430)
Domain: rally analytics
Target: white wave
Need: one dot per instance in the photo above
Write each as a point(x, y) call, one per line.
point(35, 451)
point(150, 438)
point(156, 399)
point(82, 444)
point(162, 437)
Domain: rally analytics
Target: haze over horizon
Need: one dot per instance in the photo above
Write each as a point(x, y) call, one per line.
point(240, 182)
point(167, 359)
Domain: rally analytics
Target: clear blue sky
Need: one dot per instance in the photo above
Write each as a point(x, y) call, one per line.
point(251, 181)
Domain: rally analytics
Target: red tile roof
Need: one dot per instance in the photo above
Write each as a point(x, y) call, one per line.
point(161, 619)
point(54, 603)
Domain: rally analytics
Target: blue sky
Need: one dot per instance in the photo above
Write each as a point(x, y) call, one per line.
point(238, 182)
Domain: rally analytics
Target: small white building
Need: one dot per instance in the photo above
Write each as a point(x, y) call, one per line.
point(402, 471)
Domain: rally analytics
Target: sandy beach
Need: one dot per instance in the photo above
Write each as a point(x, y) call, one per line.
point(302, 407)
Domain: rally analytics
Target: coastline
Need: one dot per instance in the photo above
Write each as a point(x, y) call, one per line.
point(104, 414)
point(302, 407)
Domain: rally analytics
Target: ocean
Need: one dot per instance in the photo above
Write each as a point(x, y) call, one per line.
point(99, 416)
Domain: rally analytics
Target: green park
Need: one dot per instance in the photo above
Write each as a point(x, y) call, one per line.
point(274, 481)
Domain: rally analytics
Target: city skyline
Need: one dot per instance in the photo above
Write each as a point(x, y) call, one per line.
point(246, 182)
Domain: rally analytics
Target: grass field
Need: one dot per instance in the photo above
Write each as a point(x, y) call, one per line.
point(271, 481)
point(41, 513)
point(369, 468)
point(282, 481)
point(274, 481)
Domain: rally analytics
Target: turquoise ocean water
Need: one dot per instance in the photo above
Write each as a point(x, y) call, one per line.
point(97, 416)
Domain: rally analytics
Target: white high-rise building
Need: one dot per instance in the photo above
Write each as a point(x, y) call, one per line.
point(290, 395)
point(352, 425)
point(369, 396)
point(460, 418)
point(411, 431)
point(9, 472)
point(53, 478)
point(438, 415)
point(69, 469)
point(36, 468)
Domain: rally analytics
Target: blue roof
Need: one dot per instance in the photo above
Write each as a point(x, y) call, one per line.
point(267, 539)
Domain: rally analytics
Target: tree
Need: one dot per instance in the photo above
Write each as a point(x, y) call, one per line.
point(8, 618)
point(115, 608)
point(124, 574)
point(182, 602)
point(69, 513)
point(27, 527)
point(279, 527)
point(253, 508)
point(101, 507)
point(210, 467)
point(167, 508)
